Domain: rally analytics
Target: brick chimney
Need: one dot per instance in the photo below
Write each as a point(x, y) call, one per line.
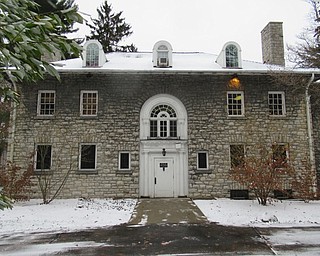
point(272, 44)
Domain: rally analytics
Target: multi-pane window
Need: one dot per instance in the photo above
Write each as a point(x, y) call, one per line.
point(124, 161)
point(92, 55)
point(89, 103)
point(88, 157)
point(163, 122)
point(236, 155)
point(232, 56)
point(276, 102)
point(163, 56)
point(46, 103)
point(235, 103)
point(280, 152)
point(202, 160)
point(43, 157)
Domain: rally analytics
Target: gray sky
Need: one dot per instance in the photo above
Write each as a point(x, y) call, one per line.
point(204, 25)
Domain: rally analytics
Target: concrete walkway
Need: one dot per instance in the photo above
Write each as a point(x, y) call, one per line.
point(165, 211)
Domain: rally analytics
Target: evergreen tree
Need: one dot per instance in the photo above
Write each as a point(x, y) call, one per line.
point(57, 6)
point(109, 29)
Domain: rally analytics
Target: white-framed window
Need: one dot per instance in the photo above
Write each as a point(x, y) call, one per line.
point(93, 55)
point(235, 103)
point(163, 56)
point(276, 103)
point(89, 103)
point(88, 157)
point(232, 59)
point(43, 157)
point(46, 103)
point(163, 122)
point(236, 155)
point(230, 56)
point(124, 161)
point(202, 161)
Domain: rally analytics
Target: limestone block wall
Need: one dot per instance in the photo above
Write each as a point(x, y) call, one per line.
point(116, 127)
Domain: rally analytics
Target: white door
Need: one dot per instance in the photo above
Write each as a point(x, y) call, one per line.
point(163, 177)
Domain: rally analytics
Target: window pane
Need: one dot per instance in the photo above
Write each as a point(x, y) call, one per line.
point(46, 104)
point(236, 155)
point(232, 56)
point(235, 101)
point(153, 129)
point(124, 161)
point(173, 129)
point(43, 157)
point(89, 103)
point(88, 157)
point(276, 103)
point(202, 160)
point(163, 129)
point(279, 152)
point(92, 55)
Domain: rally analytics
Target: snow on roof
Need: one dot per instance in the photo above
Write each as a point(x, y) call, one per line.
point(182, 62)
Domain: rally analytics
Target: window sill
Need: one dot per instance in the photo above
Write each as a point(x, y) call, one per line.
point(203, 171)
point(43, 172)
point(44, 117)
point(89, 117)
point(237, 117)
point(124, 172)
point(163, 138)
point(87, 172)
point(278, 117)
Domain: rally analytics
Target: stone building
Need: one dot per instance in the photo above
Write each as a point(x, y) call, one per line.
point(158, 124)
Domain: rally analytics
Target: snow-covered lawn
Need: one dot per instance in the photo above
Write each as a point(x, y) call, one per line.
point(67, 215)
point(77, 214)
point(284, 213)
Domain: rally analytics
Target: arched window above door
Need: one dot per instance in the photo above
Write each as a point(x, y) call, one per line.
point(163, 117)
point(163, 122)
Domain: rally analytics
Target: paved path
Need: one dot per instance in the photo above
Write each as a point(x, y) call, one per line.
point(164, 211)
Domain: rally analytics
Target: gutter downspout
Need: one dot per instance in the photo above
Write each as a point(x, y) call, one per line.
point(309, 127)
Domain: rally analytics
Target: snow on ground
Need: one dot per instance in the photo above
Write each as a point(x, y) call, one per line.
point(77, 214)
point(249, 213)
point(67, 215)
point(33, 218)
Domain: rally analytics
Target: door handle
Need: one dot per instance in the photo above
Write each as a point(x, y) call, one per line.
point(155, 181)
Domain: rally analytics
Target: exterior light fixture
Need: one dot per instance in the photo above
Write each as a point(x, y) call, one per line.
point(164, 152)
point(234, 82)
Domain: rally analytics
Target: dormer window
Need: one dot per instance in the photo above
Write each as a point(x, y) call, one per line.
point(230, 56)
point(93, 55)
point(162, 54)
point(232, 59)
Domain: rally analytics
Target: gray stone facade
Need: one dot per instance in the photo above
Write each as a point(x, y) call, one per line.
point(117, 125)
